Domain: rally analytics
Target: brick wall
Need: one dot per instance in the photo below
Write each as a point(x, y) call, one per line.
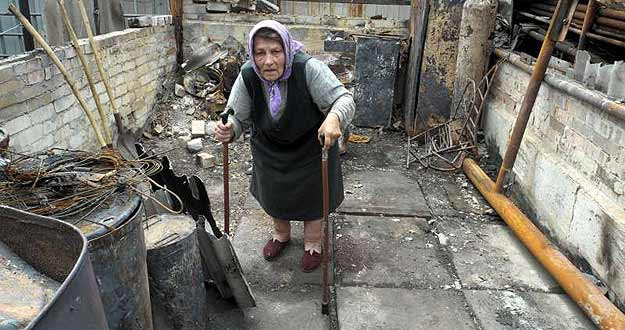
point(570, 171)
point(198, 25)
point(39, 111)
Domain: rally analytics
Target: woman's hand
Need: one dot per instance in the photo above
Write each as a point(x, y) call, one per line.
point(330, 129)
point(224, 133)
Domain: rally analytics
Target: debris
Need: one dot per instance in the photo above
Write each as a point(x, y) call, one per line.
point(358, 185)
point(195, 145)
point(205, 160)
point(190, 112)
point(355, 138)
point(457, 285)
point(209, 128)
point(409, 239)
point(265, 6)
point(158, 129)
point(183, 139)
point(179, 90)
point(198, 128)
point(147, 135)
point(395, 220)
point(442, 238)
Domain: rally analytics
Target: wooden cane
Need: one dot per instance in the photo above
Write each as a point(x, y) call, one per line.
point(326, 209)
point(70, 81)
point(85, 67)
point(224, 152)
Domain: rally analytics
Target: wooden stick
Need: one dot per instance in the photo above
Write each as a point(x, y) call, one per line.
point(98, 61)
point(57, 62)
point(85, 66)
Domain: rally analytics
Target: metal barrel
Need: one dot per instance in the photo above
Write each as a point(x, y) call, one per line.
point(57, 250)
point(118, 258)
point(177, 287)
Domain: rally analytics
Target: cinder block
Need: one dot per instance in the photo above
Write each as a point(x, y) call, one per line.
point(18, 124)
point(195, 145)
point(183, 139)
point(205, 160)
point(198, 128)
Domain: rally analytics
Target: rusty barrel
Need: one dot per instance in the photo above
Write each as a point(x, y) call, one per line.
point(118, 254)
point(40, 250)
point(175, 271)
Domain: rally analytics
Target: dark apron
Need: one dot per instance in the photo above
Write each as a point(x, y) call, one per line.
point(286, 171)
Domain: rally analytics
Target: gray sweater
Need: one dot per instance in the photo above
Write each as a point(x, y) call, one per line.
point(326, 90)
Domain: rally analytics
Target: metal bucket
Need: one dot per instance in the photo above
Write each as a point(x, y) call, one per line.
point(59, 251)
point(118, 258)
point(175, 269)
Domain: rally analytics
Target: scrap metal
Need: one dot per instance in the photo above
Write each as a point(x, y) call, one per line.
point(446, 145)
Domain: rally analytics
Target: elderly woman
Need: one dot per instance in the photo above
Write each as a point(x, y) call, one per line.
point(291, 101)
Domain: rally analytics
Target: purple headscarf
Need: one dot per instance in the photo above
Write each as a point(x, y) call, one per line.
point(290, 48)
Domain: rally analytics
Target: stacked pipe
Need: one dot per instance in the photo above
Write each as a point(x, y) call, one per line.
point(608, 24)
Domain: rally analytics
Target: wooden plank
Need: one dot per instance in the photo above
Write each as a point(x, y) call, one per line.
point(418, 26)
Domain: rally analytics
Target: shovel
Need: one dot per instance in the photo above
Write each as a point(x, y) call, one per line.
point(125, 139)
point(326, 209)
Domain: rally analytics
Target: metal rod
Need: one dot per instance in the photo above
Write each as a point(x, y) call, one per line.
point(559, 45)
point(29, 43)
point(591, 97)
point(226, 163)
point(553, 33)
point(85, 66)
point(68, 78)
point(588, 21)
point(594, 36)
point(587, 296)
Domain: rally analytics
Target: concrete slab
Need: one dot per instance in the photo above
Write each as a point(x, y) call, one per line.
point(253, 232)
point(380, 252)
point(383, 192)
point(502, 310)
point(394, 309)
point(490, 256)
point(282, 309)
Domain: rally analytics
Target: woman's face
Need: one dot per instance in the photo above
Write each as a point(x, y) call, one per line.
point(269, 58)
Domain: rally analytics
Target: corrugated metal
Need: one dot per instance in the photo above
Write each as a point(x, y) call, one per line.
point(392, 12)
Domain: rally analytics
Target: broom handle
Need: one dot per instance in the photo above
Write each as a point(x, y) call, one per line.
point(85, 66)
point(70, 81)
point(98, 61)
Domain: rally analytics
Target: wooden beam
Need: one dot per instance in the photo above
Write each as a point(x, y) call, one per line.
point(419, 10)
point(176, 13)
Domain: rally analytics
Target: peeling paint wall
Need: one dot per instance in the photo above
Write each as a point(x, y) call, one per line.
point(391, 12)
point(570, 172)
point(438, 67)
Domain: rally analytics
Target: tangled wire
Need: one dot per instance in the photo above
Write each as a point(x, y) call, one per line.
point(71, 184)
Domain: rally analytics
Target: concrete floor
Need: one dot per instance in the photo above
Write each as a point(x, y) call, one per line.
point(412, 249)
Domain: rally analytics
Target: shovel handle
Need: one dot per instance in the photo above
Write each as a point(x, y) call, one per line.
point(224, 150)
point(68, 78)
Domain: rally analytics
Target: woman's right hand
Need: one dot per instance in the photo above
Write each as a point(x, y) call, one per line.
point(224, 133)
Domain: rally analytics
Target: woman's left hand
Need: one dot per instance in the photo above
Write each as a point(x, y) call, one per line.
point(330, 129)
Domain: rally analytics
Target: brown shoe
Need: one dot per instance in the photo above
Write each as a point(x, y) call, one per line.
point(310, 262)
point(273, 248)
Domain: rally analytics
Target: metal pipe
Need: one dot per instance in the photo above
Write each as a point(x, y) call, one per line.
point(548, 10)
point(553, 34)
point(569, 49)
point(587, 296)
point(325, 298)
point(592, 97)
point(588, 21)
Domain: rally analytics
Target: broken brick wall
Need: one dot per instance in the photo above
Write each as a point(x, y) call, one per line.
point(200, 26)
point(569, 175)
point(37, 106)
